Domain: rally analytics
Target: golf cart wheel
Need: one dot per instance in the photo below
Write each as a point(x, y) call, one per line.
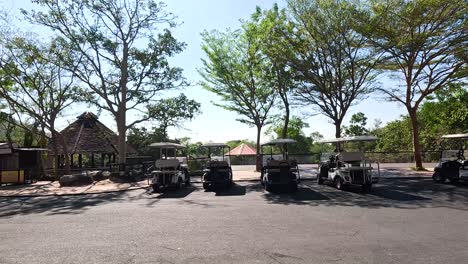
point(367, 188)
point(294, 187)
point(437, 177)
point(206, 186)
point(179, 183)
point(339, 183)
point(267, 187)
point(230, 183)
point(156, 187)
point(319, 180)
point(454, 180)
point(187, 182)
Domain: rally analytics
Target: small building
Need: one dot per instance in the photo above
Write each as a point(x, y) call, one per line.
point(242, 155)
point(90, 143)
point(19, 165)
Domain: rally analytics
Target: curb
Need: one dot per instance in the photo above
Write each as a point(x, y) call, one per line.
point(70, 194)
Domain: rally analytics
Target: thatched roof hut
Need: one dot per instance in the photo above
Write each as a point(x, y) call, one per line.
point(87, 135)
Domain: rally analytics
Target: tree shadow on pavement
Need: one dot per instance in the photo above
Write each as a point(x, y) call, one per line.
point(56, 204)
point(302, 196)
point(234, 190)
point(175, 194)
point(389, 193)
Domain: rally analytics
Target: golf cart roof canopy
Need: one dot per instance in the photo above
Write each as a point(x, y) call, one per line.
point(279, 141)
point(166, 145)
point(349, 139)
point(214, 145)
point(456, 136)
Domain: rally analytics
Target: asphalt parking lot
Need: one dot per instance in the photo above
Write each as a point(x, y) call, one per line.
point(401, 221)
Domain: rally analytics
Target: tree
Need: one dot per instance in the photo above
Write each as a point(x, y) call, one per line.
point(112, 48)
point(41, 90)
point(295, 131)
point(271, 25)
point(357, 125)
point(424, 41)
point(332, 61)
point(141, 138)
point(236, 71)
point(445, 113)
point(172, 111)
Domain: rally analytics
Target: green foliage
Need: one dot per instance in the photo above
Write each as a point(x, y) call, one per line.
point(173, 112)
point(394, 136)
point(141, 138)
point(235, 70)
point(305, 144)
point(446, 113)
point(357, 125)
point(332, 60)
point(423, 43)
point(272, 25)
point(120, 50)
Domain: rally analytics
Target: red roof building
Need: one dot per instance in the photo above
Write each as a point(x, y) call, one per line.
point(242, 150)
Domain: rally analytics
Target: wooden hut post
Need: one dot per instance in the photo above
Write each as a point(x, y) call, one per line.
point(102, 159)
point(80, 160)
point(92, 159)
point(71, 160)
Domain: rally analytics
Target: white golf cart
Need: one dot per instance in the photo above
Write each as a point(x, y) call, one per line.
point(277, 169)
point(169, 170)
point(452, 164)
point(217, 171)
point(347, 168)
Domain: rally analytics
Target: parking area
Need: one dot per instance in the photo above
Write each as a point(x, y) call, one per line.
point(402, 221)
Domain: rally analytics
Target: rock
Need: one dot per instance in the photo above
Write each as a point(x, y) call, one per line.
point(123, 177)
point(75, 180)
point(99, 175)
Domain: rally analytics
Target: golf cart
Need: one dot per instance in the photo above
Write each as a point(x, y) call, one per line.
point(452, 164)
point(347, 168)
point(217, 171)
point(277, 169)
point(169, 170)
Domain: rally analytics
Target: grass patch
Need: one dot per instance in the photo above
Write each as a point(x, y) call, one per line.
point(419, 169)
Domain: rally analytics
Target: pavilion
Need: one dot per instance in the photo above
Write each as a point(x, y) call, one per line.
point(89, 143)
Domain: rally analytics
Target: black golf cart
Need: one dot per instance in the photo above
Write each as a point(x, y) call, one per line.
point(344, 168)
point(277, 169)
point(217, 171)
point(452, 164)
point(169, 170)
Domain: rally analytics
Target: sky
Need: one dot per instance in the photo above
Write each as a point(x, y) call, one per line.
point(215, 124)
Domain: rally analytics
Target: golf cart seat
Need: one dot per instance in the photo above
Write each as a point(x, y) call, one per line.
point(166, 166)
point(278, 165)
point(350, 157)
point(450, 155)
point(218, 164)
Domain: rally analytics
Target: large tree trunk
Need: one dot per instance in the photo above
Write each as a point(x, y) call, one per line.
point(65, 151)
point(122, 129)
point(338, 134)
point(415, 134)
point(258, 163)
point(122, 111)
point(286, 118)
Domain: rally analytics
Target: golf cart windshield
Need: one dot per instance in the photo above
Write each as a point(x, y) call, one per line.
point(281, 144)
point(216, 152)
point(343, 155)
point(168, 150)
point(453, 146)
